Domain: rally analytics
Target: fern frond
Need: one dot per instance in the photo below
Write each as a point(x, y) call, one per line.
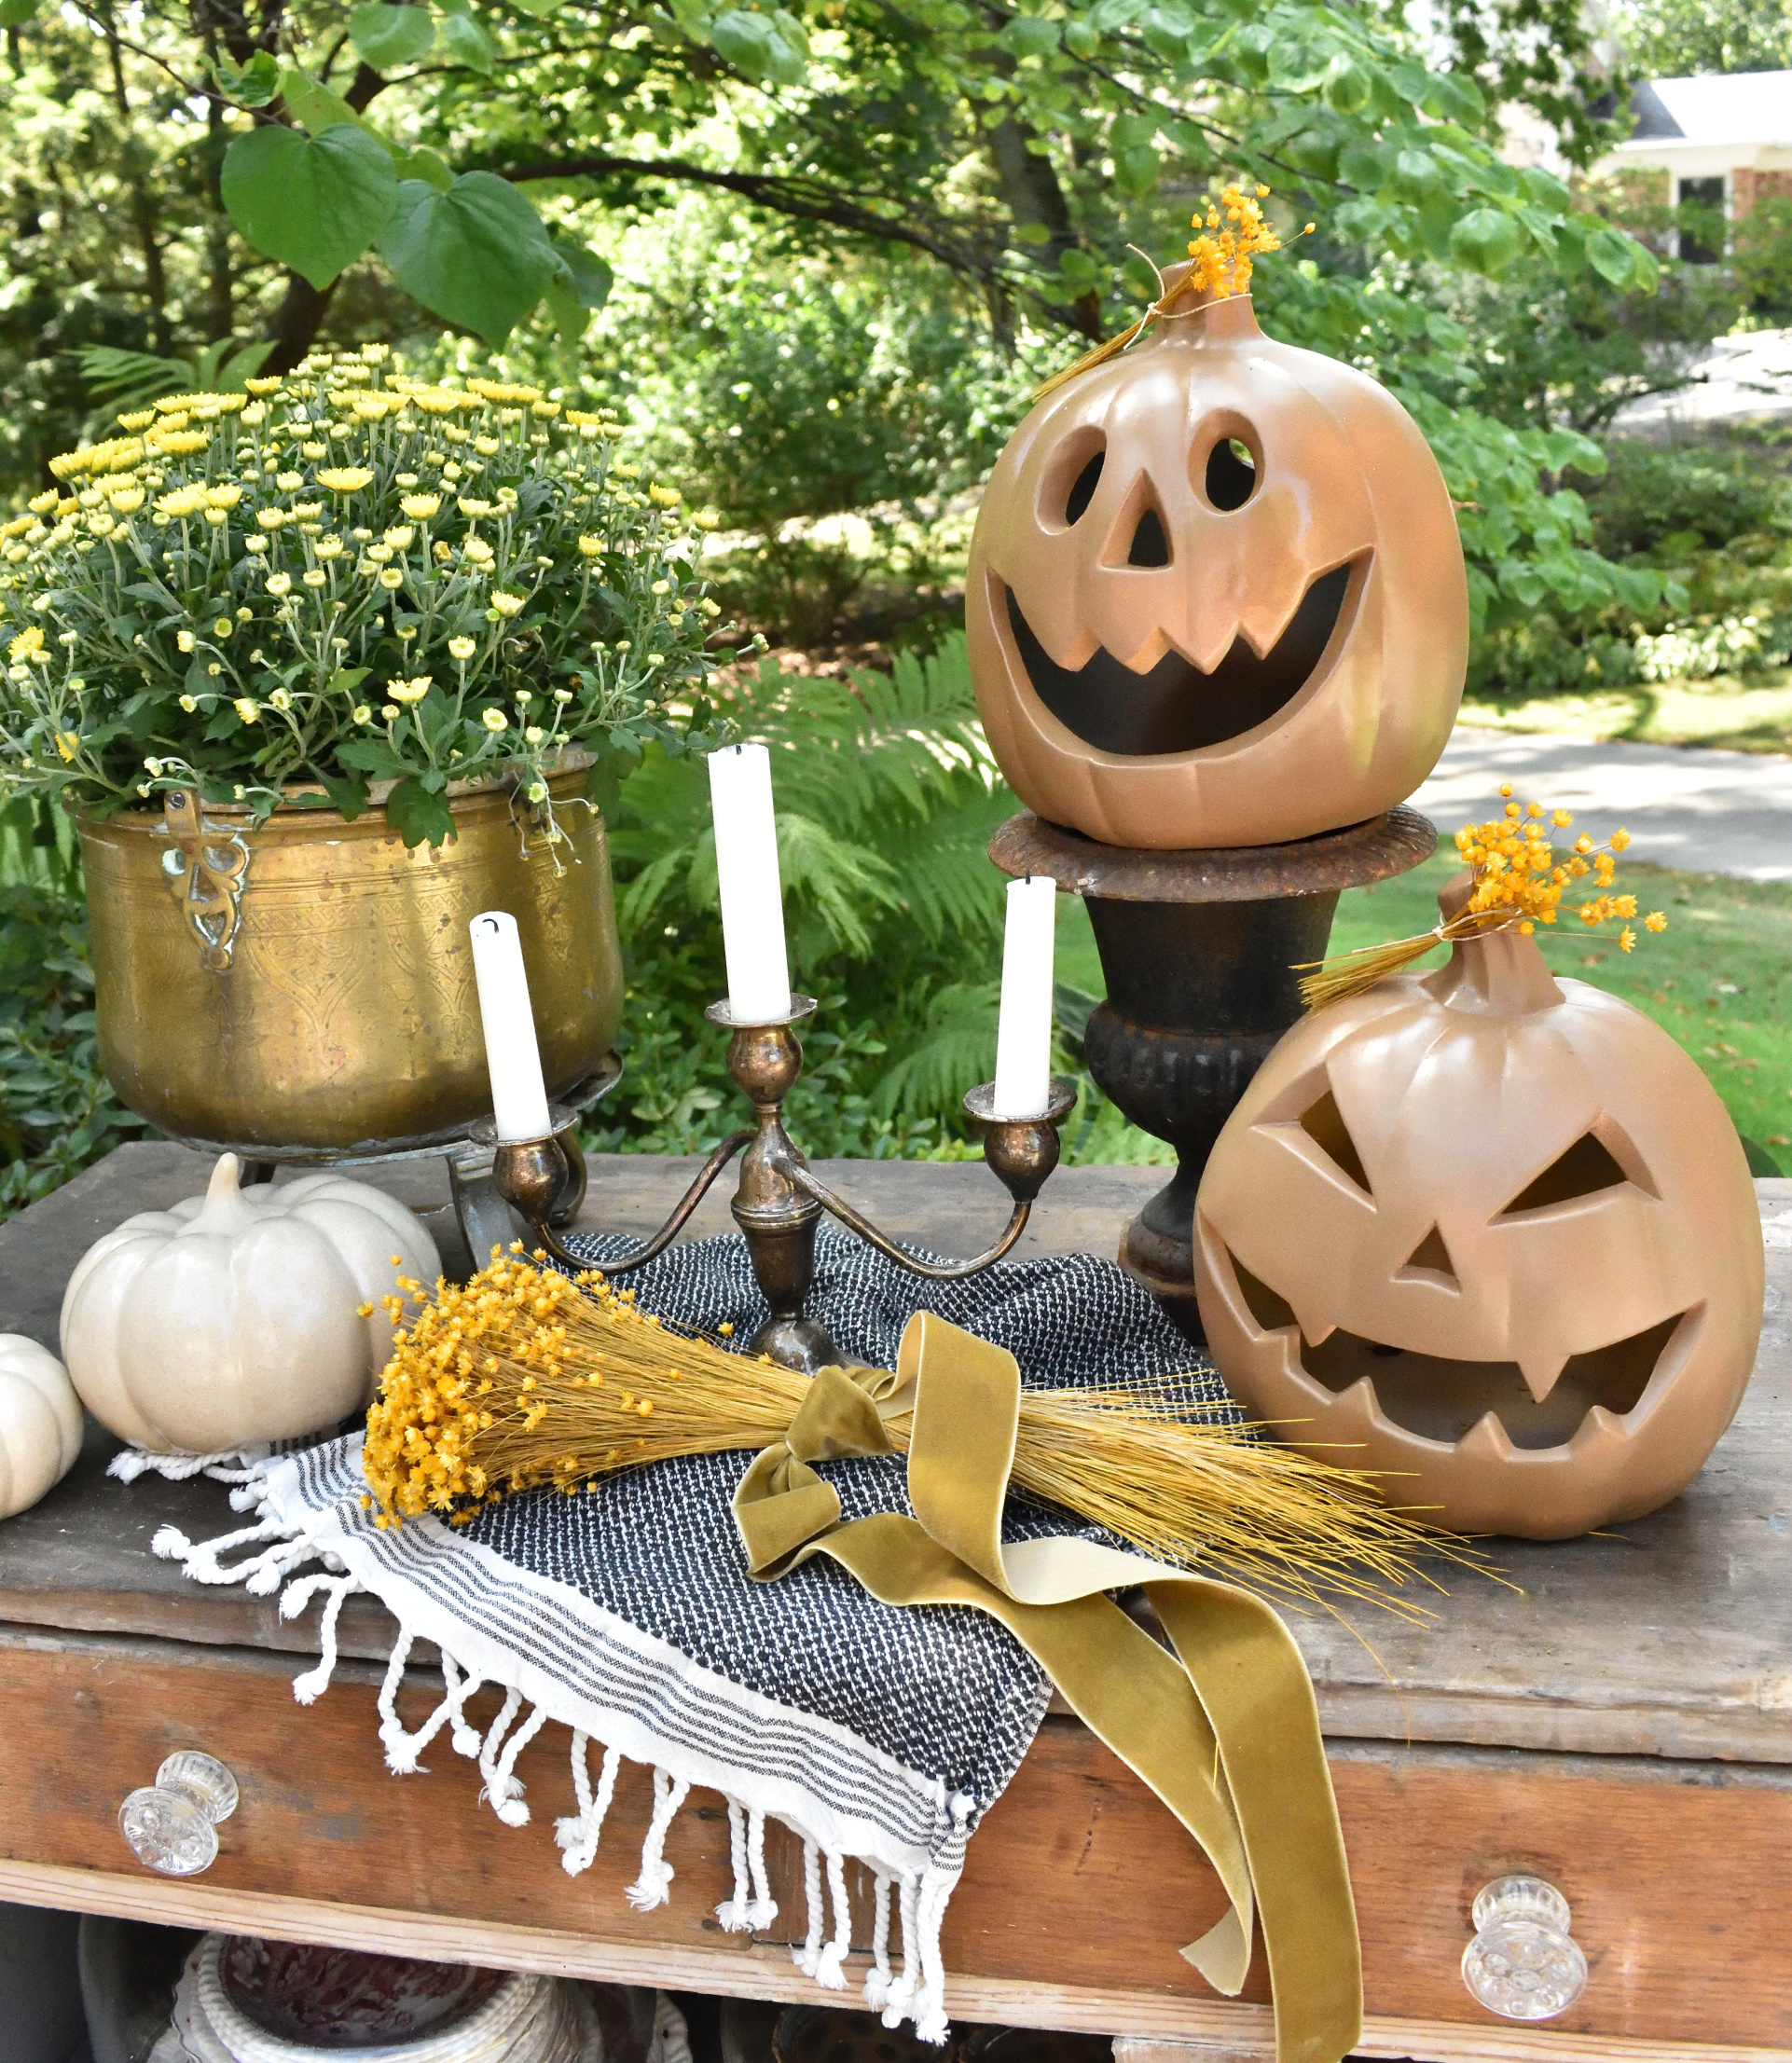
point(952, 1048)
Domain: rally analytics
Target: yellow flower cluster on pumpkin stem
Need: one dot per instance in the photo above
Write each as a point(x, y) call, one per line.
point(1519, 878)
point(1234, 233)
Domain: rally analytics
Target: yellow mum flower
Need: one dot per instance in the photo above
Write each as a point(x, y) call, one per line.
point(420, 507)
point(137, 419)
point(247, 708)
point(179, 444)
point(127, 501)
point(1655, 921)
point(345, 479)
point(590, 547)
point(496, 720)
point(182, 502)
point(410, 691)
point(67, 744)
point(505, 604)
point(223, 497)
point(462, 648)
point(30, 640)
point(667, 498)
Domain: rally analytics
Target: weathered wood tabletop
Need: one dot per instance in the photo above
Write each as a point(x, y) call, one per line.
point(1672, 1636)
point(1618, 1713)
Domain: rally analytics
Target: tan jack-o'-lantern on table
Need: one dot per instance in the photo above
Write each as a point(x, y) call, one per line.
point(1489, 1231)
point(1216, 595)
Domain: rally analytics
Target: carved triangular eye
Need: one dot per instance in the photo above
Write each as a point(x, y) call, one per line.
point(1323, 1124)
point(1586, 1168)
point(1430, 1261)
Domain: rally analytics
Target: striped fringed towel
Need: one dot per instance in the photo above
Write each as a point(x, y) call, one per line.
point(627, 1614)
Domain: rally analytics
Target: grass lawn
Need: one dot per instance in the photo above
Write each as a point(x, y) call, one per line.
point(1720, 979)
point(1752, 715)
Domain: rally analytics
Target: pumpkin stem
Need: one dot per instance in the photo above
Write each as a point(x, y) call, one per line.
point(1500, 969)
point(224, 1209)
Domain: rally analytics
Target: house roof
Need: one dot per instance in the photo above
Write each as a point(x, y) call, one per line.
point(1734, 111)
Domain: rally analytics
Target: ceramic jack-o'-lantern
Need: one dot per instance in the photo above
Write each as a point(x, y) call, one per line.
point(1491, 1233)
point(1216, 595)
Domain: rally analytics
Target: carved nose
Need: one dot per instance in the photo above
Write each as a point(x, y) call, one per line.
point(1150, 546)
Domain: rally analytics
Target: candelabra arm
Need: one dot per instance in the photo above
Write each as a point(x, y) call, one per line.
point(681, 1210)
point(935, 1271)
point(531, 1175)
point(1021, 1152)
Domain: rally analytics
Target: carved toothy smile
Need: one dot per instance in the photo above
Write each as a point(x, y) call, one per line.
point(1443, 1399)
point(1176, 707)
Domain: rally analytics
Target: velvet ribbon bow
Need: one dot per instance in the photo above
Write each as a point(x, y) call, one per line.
point(1225, 1730)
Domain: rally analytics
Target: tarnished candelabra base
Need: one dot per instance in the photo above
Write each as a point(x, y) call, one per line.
point(777, 1201)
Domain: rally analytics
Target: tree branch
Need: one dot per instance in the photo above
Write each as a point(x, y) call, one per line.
point(806, 201)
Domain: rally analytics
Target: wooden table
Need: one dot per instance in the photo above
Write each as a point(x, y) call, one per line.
point(1620, 1723)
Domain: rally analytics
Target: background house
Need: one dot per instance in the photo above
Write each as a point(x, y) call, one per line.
point(1722, 143)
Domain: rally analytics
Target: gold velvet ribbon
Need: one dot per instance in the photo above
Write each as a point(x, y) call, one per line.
point(1225, 1731)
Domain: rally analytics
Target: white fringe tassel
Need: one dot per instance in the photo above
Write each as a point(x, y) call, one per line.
point(653, 1887)
point(877, 1978)
point(915, 1993)
point(808, 1957)
point(577, 1835)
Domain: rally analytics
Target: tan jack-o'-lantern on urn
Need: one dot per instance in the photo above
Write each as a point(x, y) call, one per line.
point(1216, 596)
point(1218, 626)
point(1491, 1233)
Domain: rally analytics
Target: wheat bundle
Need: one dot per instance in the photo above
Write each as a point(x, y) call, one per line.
point(525, 1378)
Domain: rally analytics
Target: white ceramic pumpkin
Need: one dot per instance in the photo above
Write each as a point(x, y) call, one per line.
point(236, 1318)
point(40, 1422)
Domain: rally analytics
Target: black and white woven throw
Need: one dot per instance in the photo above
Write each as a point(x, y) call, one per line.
point(626, 1613)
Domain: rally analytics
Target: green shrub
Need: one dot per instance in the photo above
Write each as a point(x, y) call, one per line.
point(57, 1111)
point(1678, 499)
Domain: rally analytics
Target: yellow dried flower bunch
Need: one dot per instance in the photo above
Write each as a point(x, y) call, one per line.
point(1519, 881)
point(1518, 875)
point(525, 1379)
point(1231, 234)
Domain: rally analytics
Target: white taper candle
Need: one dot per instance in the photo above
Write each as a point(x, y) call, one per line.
point(752, 898)
point(513, 1058)
point(1024, 1034)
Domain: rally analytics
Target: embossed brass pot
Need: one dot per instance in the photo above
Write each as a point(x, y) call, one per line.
point(309, 985)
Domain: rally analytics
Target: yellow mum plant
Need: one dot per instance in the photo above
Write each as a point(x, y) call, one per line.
point(343, 586)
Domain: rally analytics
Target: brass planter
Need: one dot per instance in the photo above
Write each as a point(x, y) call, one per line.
point(307, 987)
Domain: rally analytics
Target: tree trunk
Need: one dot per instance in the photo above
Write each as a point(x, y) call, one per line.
point(1030, 188)
point(296, 322)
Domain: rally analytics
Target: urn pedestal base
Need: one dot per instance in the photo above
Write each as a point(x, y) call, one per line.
point(1199, 950)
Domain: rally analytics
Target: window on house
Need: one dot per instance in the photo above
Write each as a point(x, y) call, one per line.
point(1701, 220)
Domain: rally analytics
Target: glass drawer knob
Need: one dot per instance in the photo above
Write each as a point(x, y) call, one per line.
point(172, 1824)
point(1523, 1964)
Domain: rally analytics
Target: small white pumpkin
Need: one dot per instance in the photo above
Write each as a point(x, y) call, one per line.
point(40, 1422)
point(237, 1318)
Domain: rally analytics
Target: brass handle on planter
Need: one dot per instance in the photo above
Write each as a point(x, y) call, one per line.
point(207, 867)
point(172, 1824)
point(1523, 1964)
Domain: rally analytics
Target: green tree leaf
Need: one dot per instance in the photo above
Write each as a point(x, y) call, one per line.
point(315, 203)
point(1347, 86)
point(314, 106)
point(388, 37)
point(763, 46)
point(14, 14)
point(1029, 35)
point(418, 817)
point(1612, 255)
point(255, 84)
point(464, 42)
point(477, 255)
point(585, 276)
point(1486, 241)
point(424, 164)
